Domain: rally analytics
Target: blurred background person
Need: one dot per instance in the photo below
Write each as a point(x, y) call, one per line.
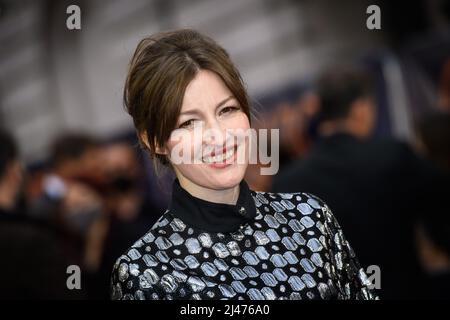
point(433, 142)
point(93, 194)
point(33, 264)
point(70, 201)
point(130, 213)
point(379, 188)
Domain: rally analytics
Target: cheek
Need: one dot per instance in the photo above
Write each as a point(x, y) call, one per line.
point(188, 143)
point(240, 121)
point(241, 124)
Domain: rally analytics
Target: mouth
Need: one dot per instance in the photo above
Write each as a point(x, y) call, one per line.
point(220, 158)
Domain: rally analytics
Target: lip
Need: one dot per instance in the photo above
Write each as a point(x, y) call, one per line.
point(226, 162)
point(224, 150)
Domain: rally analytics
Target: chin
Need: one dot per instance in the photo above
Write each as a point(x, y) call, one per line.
point(227, 178)
point(217, 179)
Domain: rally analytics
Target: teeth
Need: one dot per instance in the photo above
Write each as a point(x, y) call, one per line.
point(220, 157)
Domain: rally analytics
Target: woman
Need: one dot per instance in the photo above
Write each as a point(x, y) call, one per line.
point(219, 239)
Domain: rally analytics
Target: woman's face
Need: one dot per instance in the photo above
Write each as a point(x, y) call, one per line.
point(206, 135)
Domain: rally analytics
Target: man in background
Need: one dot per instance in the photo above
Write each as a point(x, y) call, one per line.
point(378, 189)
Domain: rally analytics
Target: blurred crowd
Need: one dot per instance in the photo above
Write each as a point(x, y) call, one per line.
point(388, 195)
point(83, 208)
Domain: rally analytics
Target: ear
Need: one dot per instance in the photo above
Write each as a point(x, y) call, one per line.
point(144, 139)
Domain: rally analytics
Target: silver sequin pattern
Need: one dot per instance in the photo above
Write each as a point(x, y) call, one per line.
point(294, 249)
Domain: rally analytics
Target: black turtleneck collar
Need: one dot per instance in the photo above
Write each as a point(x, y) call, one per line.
point(211, 216)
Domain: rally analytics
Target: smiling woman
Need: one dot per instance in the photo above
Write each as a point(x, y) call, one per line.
point(161, 69)
point(219, 239)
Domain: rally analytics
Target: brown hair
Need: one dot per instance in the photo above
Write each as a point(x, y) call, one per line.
point(161, 68)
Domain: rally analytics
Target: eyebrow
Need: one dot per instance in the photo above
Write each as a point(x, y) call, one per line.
point(195, 111)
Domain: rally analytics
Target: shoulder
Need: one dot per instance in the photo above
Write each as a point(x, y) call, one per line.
point(388, 149)
point(315, 228)
point(304, 202)
point(302, 211)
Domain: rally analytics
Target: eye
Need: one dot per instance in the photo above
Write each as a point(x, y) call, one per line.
point(229, 109)
point(186, 124)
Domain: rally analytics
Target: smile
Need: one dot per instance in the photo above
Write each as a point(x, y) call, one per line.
point(221, 157)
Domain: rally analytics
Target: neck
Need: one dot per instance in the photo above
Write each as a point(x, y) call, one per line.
point(227, 196)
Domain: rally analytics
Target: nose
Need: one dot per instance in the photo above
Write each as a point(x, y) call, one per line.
point(214, 133)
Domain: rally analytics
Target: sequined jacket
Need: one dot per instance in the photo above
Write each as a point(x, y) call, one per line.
point(267, 246)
